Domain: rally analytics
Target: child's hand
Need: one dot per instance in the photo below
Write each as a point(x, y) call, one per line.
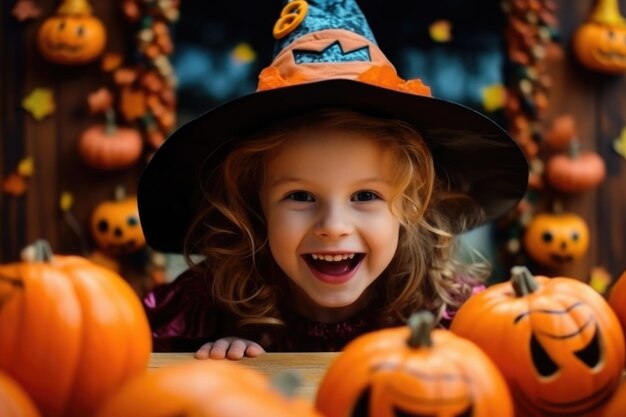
point(229, 347)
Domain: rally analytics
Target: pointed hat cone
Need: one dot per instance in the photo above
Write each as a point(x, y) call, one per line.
point(328, 14)
point(607, 12)
point(75, 7)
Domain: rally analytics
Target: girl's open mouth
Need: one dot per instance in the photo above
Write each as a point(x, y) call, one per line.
point(335, 267)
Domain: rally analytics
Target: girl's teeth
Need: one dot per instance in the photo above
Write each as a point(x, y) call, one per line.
point(332, 258)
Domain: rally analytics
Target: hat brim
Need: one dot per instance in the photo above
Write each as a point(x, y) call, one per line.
point(481, 160)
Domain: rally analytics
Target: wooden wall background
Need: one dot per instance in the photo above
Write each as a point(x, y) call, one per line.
point(597, 101)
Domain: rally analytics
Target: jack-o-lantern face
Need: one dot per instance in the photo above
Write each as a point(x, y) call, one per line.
point(416, 393)
point(412, 373)
point(558, 343)
point(115, 227)
point(556, 239)
point(68, 39)
point(601, 47)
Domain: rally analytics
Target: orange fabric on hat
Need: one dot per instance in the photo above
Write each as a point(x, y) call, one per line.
point(386, 76)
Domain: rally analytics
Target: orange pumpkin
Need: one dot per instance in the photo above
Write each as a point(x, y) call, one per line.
point(575, 171)
point(617, 404)
point(556, 340)
point(561, 133)
point(617, 299)
point(14, 402)
point(207, 388)
point(115, 225)
point(110, 147)
point(72, 332)
point(556, 240)
point(72, 36)
point(413, 371)
point(600, 43)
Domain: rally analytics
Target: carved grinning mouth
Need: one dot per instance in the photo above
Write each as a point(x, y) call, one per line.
point(62, 46)
point(333, 264)
point(561, 259)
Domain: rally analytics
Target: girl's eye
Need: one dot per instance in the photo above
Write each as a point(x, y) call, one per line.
point(365, 196)
point(300, 196)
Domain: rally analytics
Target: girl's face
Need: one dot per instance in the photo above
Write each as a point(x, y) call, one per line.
point(326, 199)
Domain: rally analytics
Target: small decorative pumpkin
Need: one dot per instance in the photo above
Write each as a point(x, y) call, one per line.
point(556, 340)
point(110, 147)
point(413, 371)
point(72, 36)
point(561, 133)
point(203, 389)
point(115, 225)
point(14, 402)
point(556, 240)
point(72, 332)
point(575, 171)
point(617, 299)
point(600, 43)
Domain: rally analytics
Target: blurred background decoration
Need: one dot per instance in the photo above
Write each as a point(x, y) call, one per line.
point(71, 134)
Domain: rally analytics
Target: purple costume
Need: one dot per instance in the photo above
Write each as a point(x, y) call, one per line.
point(183, 317)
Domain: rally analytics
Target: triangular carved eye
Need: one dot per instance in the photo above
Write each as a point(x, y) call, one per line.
point(467, 413)
point(543, 363)
point(591, 354)
point(362, 406)
point(400, 413)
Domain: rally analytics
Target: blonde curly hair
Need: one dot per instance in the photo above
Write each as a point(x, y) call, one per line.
point(230, 232)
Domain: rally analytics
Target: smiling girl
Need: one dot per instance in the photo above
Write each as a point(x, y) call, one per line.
point(327, 205)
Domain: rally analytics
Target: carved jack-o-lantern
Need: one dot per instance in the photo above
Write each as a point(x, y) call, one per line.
point(73, 35)
point(556, 340)
point(412, 371)
point(556, 240)
point(600, 43)
point(115, 225)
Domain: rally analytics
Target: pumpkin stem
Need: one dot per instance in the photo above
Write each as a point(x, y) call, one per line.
point(574, 148)
point(119, 193)
point(75, 8)
point(421, 324)
point(523, 281)
point(287, 383)
point(110, 126)
point(43, 251)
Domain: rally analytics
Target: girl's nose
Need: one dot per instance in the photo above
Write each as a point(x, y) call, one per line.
point(334, 222)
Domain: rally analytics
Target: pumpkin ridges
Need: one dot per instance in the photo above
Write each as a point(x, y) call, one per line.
point(11, 291)
point(102, 150)
point(54, 333)
point(43, 335)
point(349, 374)
point(98, 378)
point(14, 402)
point(509, 353)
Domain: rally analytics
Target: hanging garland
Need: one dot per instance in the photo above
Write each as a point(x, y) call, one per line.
point(147, 91)
point(531, 37)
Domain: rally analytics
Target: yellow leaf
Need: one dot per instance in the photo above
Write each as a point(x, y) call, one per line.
point(66, 201)
point(619, 144)
point(441, 31)
point(244, 53)
point(600, 279)
point(26, 167)
point(494, 97)
point(40, 103)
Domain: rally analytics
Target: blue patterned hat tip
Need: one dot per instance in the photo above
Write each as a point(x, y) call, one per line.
point(328, 14)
